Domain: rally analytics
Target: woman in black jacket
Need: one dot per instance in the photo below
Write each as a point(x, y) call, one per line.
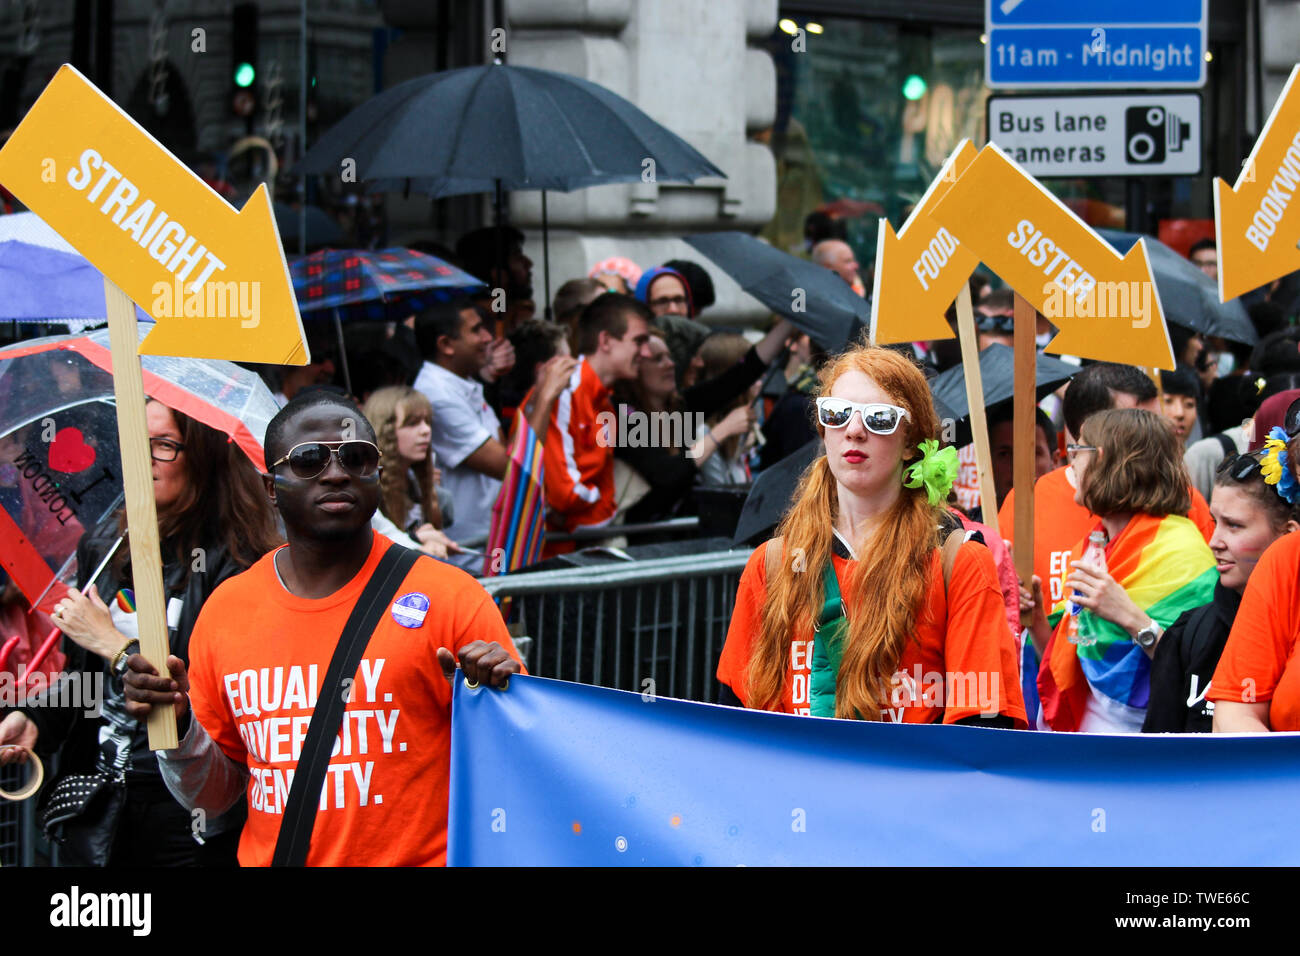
point(214, 520)
point(1250, 513)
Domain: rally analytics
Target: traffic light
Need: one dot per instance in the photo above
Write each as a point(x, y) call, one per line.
point(243, 59)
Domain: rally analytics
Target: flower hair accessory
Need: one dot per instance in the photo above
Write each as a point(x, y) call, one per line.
point(937, 470)
point(1274, 466)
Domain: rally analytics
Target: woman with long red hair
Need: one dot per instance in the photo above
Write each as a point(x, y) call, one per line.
point(871, 603)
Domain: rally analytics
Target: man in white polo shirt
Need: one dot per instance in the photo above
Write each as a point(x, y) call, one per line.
point(467, 435)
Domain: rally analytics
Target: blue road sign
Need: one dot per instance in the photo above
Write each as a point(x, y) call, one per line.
point(1095, 43)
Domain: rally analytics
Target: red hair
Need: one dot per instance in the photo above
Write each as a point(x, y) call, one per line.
point(888, 582)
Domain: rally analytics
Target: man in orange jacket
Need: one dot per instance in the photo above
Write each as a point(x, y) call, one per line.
point(613, 335)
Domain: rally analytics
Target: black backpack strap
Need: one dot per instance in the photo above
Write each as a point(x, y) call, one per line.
point(304, 795)
point(1226, 443)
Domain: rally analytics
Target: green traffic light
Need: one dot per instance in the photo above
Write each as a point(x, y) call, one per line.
point(245, 74)
point(913, 87)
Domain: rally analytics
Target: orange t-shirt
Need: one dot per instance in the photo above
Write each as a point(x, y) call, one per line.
point(384, 802)
point(1258, 662)
point(1060, 524)
point(961, 663)
point(579, 454)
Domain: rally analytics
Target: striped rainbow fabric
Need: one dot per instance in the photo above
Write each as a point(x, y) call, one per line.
point(518, 520)
point(1166, 567)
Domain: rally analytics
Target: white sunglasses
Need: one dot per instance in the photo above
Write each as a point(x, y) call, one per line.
point(877, 417)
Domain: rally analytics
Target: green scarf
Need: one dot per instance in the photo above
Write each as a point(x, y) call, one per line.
point(828, 647)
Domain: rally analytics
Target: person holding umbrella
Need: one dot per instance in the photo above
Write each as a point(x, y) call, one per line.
point(870, 604)
point(110, 806)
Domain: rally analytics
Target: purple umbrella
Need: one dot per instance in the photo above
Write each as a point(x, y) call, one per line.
point(46, 285)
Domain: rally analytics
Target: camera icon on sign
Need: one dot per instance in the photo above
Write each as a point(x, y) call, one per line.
point(1150, 132)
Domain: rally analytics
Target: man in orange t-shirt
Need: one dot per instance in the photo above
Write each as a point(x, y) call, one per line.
point(1256, 686)
point(960, 668)
point(263, 644)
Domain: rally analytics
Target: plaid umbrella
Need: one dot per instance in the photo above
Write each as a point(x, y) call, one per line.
point(385, 285)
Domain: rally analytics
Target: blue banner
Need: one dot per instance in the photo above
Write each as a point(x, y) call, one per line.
point(553, 773)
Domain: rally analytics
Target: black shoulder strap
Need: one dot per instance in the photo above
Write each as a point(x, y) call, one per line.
point(304, 794)
point(1226, 443)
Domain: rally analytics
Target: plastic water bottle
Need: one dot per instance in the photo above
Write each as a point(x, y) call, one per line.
point(1095, 556)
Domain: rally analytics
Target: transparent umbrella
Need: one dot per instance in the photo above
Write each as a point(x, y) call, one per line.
point(60, 465)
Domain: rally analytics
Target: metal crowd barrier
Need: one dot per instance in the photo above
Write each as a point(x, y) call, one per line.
point(651, 626)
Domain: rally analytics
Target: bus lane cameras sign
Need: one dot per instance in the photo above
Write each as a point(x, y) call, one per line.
point(1133, 134)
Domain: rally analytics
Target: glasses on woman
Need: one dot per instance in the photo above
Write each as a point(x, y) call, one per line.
point(309, 459)
point(877, 417)
point(1071, 451)
point(164, 449)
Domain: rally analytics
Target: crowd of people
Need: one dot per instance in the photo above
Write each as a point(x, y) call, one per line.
point(1163, 597)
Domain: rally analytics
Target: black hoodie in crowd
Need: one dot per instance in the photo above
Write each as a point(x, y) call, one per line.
point(1184, 662)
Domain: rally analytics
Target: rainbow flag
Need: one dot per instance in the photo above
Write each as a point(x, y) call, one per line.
point(1166, 568)
point(515, 538)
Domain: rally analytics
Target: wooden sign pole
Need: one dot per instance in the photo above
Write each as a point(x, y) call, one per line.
point(141, 515)
point(979, 426)
point(1024, 439)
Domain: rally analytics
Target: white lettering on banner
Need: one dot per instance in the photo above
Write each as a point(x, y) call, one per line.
point(1271, 207)
point(166, 240)
point(1036, 248)
point(273, 736)
point(934, 257)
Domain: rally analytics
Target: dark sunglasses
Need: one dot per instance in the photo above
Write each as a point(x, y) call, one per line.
point(310, 459)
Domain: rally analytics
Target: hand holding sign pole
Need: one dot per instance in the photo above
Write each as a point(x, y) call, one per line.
point(214, 279)
point(1257, 221)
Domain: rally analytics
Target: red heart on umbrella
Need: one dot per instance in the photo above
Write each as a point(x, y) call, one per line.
point(69, 452)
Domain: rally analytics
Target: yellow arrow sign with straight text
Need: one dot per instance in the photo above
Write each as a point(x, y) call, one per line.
point(920, 270)
point(1105, 305)
point(1258, 219)
point(214, 279)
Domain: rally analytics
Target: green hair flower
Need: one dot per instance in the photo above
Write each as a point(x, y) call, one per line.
point(937, 470)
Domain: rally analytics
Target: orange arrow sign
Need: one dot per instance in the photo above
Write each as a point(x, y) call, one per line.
point(1106, 306)
point(214, 279)
point(919, 271)
point(1257, 220)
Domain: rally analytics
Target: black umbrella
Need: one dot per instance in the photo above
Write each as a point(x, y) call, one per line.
point(772, 492)
point(1189, 297)
point(497, 127)
point(815, 299)
point(997, 369)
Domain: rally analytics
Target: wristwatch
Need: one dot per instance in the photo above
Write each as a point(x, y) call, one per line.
point(118, 664)
point(1147, 637)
